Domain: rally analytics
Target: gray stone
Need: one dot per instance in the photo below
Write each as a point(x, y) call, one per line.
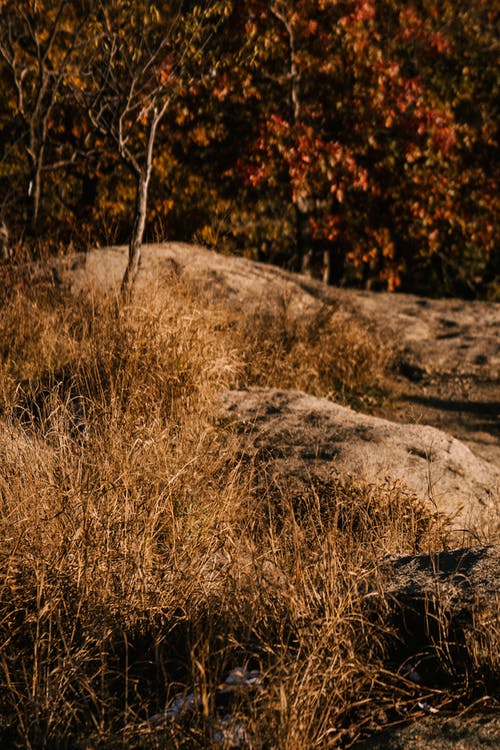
point(298, 433)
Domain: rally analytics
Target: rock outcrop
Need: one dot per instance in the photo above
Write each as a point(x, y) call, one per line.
point(445, 612)
point(294, 433)
point(439, 335)
point(449, 365)
point(448, 350)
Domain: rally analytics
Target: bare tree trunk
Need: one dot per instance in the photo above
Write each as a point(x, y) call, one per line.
point(302, 239)
point(327, 266)
point(135, 245)
point(34, 192)
point(333, 267)
point(5, 247)
point(141, 203)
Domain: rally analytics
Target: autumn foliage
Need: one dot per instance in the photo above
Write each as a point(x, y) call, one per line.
point(354, 140)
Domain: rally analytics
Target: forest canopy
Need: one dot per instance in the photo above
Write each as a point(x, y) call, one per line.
point(356, 140)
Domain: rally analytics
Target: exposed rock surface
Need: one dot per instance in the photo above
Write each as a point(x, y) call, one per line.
point(436, 733)
point(459, 577)
point(449, 349)
point(294, 433)
point(452, 336)
point(451, 595)
point(449, 376)
point(447, 336)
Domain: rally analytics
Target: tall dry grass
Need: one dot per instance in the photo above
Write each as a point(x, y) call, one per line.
point(328, 352)
point(139, 555)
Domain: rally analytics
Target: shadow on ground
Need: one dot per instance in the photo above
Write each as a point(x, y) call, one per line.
point(481, 416)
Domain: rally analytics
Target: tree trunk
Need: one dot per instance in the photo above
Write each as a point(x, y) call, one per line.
point(327, 266)
point(134, 249)
point(333, 267)
point(5, 248)
point(303, 248)
point(143, 175)
point(492, 270)
point(34, 194)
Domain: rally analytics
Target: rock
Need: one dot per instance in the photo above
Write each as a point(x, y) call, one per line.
point(461, 577)
point(448, 362)
point(440, 733)
point(450, 597)
point(296, 433)
point(435, 335)
point(444, 611)
point(448, 349)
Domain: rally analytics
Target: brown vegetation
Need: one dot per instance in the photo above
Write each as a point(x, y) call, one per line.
point(141, 553)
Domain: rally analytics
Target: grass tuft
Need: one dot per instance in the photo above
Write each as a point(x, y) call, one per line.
point(141, 557)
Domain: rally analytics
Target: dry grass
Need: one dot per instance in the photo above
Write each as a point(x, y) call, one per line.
point(137, 555)
point(330, 353)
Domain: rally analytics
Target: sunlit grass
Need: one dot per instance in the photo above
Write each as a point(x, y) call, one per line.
point(139, 553)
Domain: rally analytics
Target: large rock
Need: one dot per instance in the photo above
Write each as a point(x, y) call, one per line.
point(300, 433)
point(445, 612)
point(441, 335)
point(451, 595)
point(467, 732)
point(448, 349)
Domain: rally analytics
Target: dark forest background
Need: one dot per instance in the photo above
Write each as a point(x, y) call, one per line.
point(353, 140)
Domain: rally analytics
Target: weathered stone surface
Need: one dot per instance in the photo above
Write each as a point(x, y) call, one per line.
point(440, 335)
point(450, 595)
point(300, 433)
point(449, 349)
point(444, 610)
point(438, 733)
point(449, 353)
point(458, 577)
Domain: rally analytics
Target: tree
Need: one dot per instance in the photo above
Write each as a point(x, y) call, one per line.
point(142, 57)
point(453, 49)
point(39, 43)
point(358, 138)
point(340, 142)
